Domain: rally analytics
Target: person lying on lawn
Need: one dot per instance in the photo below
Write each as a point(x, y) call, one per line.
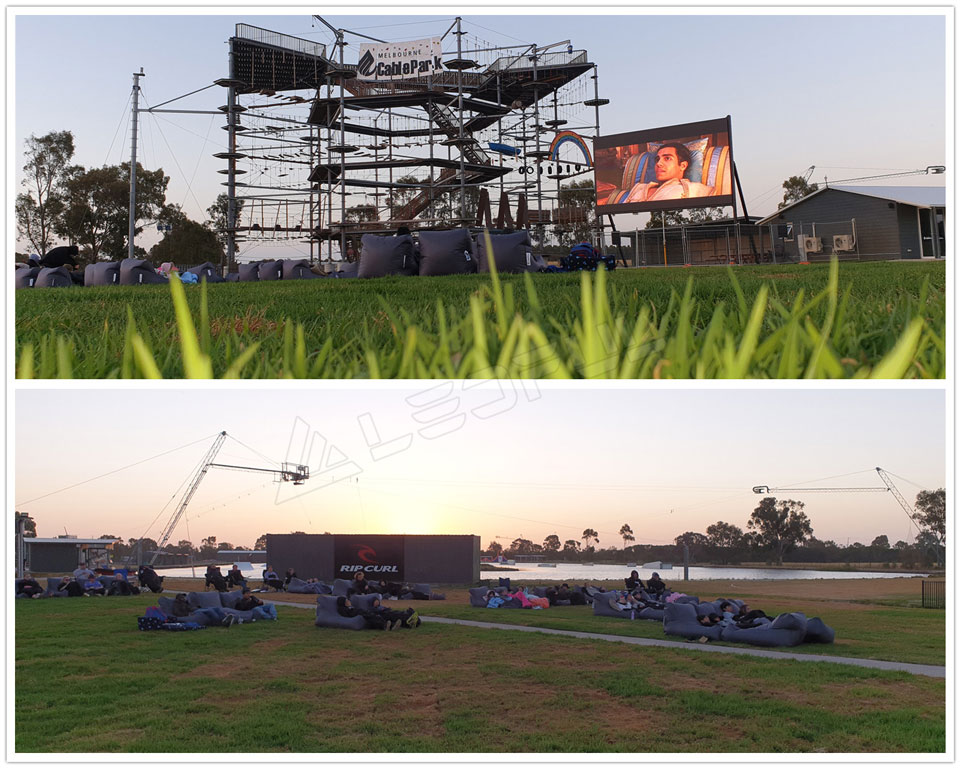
point(121, 586)
point(261, 610)
point(93, 586)
point(709, 621)
point(29, 586)
point(181, 609)
point(372, 619)
point(386, 588)
point(747, 619)
point(408, 618)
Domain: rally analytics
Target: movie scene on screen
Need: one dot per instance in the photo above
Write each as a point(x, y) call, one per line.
point(677, 166)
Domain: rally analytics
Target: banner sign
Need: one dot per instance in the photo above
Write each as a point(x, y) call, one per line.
point(399, 61)
point(377, 556)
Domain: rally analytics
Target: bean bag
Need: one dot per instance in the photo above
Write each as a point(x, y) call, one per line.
point(650, 614)
point(52, 583)
point(347, 269)
point(818, 632)
point(233, 277)
point(512, 253)
point(382, 255)
point(53, 277)
point(340, 587)
point(297, 269)
point(204, 600)
point(477, 595)
point(301, 587)
point(706, 609)
point(448, 252)
point(327, 615)
point(139, 272)
point(207, 271)
point(270, 270)
point(102, 273)
point(248, 272)
point(25, 277)
point(365, 602)
point(785, 630)
point(601, 606)
point(680, 619)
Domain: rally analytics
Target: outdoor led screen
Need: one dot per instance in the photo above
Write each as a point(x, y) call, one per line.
point(677, 166)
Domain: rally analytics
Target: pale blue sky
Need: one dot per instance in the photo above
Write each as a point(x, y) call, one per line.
point(852, 95)
point(529, 463)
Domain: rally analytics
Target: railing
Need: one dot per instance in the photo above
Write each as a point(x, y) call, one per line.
point(280, 40)
point(933, 594)
point(522, 61)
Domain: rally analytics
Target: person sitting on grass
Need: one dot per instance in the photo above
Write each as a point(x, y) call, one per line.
point(93, 586)
point(372, 619)
point(29, 586)
point(70, 587)
point(633, 581)
point(270, 579)
point(121, 586)
point(655, 587)
point(261, 610)
point(214, 578)
point(235, 577)
point(147, 577)
point(181, 609)
point(359, 585)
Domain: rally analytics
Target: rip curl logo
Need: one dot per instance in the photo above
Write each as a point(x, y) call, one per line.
point(367, 555)
point(365, 65)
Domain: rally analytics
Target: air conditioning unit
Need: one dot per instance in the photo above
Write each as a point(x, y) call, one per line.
point(843, 242)
point(812, 245)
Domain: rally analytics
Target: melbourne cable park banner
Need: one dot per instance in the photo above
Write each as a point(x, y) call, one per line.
point(677, 166)
point(399, 61)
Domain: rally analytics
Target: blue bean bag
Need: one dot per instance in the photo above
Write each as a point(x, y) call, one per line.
point(680, 619)
point(53, 277)
point(207, 271)
point(26, 277)
point(327, 615)
point(787, 629)
point(818, 632)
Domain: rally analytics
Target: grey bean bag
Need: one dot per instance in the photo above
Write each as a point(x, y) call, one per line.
point(233, 277)
point(476, 596)
point(785, 630)
point(601, 606)
point(327, 615)
point(204, 599)
point(687, 600)
point(297, 269)
point(449, 252)
point(248, 272)
point(818, 632)
point(347, 269)
point(25, 277)
point(270, 270)
point(365, 602)
point(102, 273)
point(340, 587)
point(680, 619)
point(165, 604)
point(139, 272)
point(52, 584)
point(53, 277)
point(512, 253)
point(207, 271)
point(382, 255)
point(301, 587)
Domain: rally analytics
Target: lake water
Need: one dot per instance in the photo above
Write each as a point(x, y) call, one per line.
point(588, 573)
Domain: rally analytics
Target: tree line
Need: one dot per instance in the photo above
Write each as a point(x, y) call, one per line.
point(89, 207)
point(775, 529)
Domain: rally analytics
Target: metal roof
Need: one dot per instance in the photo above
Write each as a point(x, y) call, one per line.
point(921, 197)
point(31, 540)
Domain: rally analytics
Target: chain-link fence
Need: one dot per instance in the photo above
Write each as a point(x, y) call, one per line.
point(703, 246)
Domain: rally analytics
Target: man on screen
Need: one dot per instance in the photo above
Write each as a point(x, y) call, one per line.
point(672, 163)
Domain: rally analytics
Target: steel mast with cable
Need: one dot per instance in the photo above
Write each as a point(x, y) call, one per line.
point(295, 473)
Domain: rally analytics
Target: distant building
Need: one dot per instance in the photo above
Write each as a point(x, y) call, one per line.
point(862, 223)
point(241, 555)
point(66, 554)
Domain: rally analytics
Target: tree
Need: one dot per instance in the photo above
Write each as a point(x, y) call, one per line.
point(580, 219)
point(218, 217)
point(187, 243)
point(660, 219)
point(931, 513)
point(626, 533)
point(571, 547)
point(29, 525)
point(48, 161)
point(696, 543)
point(96, 205)
point(881, 542)
point(551, 543)
point(702, 215)
point(495, 548)
point(225, 545)
point(589, 535)
point(359, 213)
point(796, 188)
point(208, 548)
point(724, 535)
point(261, 542)
point(779, 525)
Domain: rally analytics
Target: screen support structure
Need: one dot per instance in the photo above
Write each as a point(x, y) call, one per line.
point(615, 235)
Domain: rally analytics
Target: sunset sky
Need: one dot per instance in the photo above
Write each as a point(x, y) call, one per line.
point(493, 460)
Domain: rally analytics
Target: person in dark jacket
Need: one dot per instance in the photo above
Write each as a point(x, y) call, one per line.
point(287, 576)
point(147, 577)
point(261, 610)
point(70, 587)
point(213, 577)
point(372, 619)
point(408, 618)
point(655, 587)
point(120, 586)
point(235, 577)
point(360, 585)
point(60, 256)
point(181, 609)
point(633, 581)
point(29, 586)
point(386, 588)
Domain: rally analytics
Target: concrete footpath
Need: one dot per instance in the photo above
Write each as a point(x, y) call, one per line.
point(928, 670)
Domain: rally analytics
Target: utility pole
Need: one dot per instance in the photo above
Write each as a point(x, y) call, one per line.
point(132, 216)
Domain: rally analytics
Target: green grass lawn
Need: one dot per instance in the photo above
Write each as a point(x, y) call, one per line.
point(87, 681)
point(884, 320)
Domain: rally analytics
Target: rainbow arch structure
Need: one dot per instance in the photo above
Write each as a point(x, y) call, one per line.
point(569, 136)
